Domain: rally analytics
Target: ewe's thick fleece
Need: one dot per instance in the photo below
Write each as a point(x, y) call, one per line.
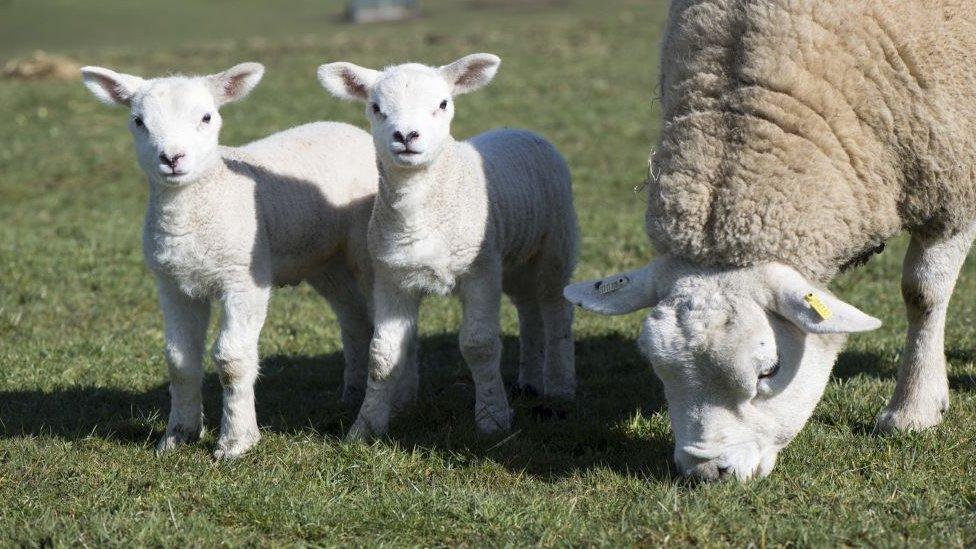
point(271, 212)
point(810, 131)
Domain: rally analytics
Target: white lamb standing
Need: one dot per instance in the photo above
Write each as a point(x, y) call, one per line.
point(480, 217)
point(227, 223)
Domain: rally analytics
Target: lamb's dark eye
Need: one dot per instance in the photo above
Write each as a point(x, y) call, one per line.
point(206, 118)
point(770, 372)
point(444, 105)
point(137, 121)
point(376, 108)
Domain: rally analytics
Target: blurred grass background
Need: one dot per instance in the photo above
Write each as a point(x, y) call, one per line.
point(82, 378)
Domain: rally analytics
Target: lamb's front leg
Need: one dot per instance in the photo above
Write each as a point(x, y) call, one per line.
point(236, 359)
point(185, 321)
point(481, 347)
point(928, 278)
point(390, 353)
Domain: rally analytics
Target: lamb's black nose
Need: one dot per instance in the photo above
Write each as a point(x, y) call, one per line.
point(170, 161)
point(405, 139)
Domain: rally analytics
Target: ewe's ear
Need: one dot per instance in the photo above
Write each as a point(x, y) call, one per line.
point(618, 294)
point(236, 82)
point(111, 87)
point(348, 81)
point(813, 310)
point(470, 72)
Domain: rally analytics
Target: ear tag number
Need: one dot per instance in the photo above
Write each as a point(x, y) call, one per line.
point(818, 306)
point(605, 288)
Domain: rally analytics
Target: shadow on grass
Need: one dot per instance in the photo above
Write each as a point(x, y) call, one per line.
point(854, 364)
point(299, 394)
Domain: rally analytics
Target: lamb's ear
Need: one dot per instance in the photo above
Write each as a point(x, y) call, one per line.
point(111, 87)
point(813, 310)
point(348, 81)
point(236, 82)
point(470, 72)
point(620, 293)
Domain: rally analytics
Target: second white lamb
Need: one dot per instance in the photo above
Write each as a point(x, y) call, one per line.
point(477, 218)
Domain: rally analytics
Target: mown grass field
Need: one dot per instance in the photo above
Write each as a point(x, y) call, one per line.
point(82, 379)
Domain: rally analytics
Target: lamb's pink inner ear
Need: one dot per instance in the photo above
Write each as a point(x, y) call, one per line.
point(471, 72)
point(347, 81)
point(111, 87)
point(236, 82)
point(354, 86)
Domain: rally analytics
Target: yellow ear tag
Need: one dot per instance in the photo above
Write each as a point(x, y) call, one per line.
point(818, 306)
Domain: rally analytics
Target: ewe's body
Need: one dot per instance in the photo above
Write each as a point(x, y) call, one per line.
point(858, 117)
point(477, 218)
point(226, 224)
point(798, 137)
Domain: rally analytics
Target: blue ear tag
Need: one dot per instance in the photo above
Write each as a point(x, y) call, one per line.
point(612, 286)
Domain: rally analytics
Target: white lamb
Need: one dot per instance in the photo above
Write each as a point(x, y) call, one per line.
point(480, 217)
point(227, 224)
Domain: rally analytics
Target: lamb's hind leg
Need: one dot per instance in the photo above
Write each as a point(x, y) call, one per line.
point(339, 288)
point(186, 322)
point(532, 347)
point(929, 275)
point(557, 314)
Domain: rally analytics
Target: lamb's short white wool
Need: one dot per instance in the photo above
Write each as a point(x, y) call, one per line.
point(480, 217)
point(226, 224)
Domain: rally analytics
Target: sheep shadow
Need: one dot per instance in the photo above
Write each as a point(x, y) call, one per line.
point(606, 427)
point(852, 364)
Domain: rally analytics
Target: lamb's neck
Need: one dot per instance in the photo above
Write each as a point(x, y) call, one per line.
point(178, 208)
point(417, 195)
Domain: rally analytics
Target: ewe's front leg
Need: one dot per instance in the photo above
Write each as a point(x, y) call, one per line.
point(236, 359)
point(481, 347)
point(185, 322)
point(929, 275)
point(390, 353)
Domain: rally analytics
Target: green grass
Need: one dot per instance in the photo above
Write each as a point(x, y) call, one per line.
point(82, 378)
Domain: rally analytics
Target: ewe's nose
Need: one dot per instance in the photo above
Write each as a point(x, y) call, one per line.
point(170, 160)
point(399, 137)
point(710, 470)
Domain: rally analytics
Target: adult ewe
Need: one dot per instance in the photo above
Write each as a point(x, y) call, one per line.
point(476, 217)
point(798, 137)
point(226, 224)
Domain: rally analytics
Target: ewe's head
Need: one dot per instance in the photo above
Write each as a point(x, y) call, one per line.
point(410, 106)
point(743, 355)
point(175, 123)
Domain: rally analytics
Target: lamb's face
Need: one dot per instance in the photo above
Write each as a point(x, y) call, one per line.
point(175, 126)
point(409, 107)
point(741, 381)
point(410, 111)
point(744, 355)
point(174, 121)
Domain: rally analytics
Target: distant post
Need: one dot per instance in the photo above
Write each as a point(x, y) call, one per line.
point(371, 11)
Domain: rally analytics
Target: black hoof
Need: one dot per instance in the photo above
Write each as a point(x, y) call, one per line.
point(525, 391)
